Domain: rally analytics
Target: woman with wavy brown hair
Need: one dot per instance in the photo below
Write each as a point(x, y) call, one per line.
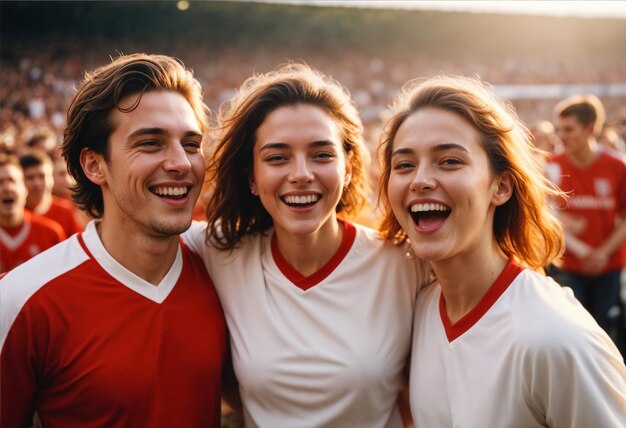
point(319, 308)
point(495, 342)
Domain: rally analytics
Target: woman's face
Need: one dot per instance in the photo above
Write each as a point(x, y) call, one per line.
point(441, 187)
point(300, 168)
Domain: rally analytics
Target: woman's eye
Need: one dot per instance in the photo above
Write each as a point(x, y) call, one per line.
point(275, 158)
point(402, 165)
point(451, 162)
point(192, 146)
point(324, 156)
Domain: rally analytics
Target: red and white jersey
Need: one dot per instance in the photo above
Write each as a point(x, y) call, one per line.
point(85, 342)
point(325, 350)
point(34, 235)
point(597, 199)
point(63, 212)
point(528, 355)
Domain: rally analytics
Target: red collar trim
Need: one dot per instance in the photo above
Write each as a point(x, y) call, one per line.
point(81, 241)
point(506, 277)
point(306, 282)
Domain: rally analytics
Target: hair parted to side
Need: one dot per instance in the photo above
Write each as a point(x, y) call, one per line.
point(524, 227)
point(587, 109)
point(89, 121)
point(233, 211)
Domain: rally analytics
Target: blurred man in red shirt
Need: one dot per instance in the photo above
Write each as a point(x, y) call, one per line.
point(38, 176)
point(22, 233)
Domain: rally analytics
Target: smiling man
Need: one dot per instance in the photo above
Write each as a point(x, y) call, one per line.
point(120, 326)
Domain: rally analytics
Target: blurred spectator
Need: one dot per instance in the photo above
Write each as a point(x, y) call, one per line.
point(610, 138)
point(38, 177)
point(545, 139)
point(595, 216)
point(62, 180)
point(22, 233)
point(43, 141)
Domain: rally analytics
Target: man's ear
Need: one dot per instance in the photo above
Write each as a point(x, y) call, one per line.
point(92, 164)
point(504, 190)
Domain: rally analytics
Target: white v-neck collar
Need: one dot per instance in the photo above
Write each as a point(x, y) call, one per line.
point(13, 242)
point(156, 293)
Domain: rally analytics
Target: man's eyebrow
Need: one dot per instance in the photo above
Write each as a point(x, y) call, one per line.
point(147, 131)
point(159, 131)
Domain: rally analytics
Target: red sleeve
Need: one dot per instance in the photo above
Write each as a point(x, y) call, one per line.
point(17, 376)
point(64, 213)
point(56, 233)
point(621, 192)
point(59, 232)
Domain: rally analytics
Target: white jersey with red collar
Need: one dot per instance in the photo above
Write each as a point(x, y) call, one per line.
point(528, 355)
point(325, 350)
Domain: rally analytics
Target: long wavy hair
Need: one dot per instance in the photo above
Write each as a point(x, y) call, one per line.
point(232, 211)
point(524, 227)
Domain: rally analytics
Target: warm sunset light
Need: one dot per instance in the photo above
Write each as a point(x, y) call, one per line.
point(586, 9)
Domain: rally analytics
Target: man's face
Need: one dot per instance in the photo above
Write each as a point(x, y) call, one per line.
point(573, 135)
point(12, 195)
point(155, 167)
point(39, 182)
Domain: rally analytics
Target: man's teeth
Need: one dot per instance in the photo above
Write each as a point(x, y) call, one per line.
point(428, 207)
point(308, 199)
point(170, 191)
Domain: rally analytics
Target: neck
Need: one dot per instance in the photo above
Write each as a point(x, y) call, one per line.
point(466, 278)
point(149, 257)
point(308, 253)
point(12, 220)
point(41, 206)
point(587, 155)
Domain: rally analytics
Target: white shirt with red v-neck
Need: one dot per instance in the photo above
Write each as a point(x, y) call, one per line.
point(528, 355)
point(325, 350)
